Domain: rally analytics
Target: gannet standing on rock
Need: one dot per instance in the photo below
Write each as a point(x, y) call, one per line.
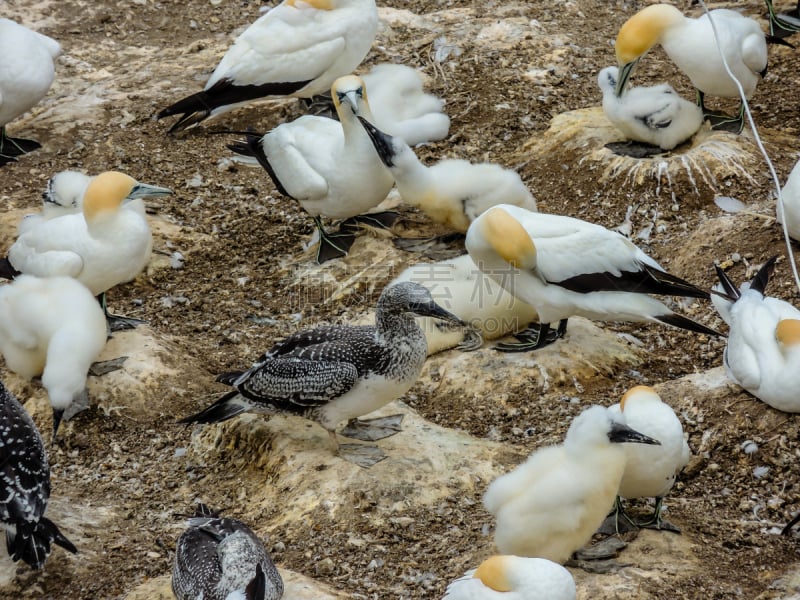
point(330, 167)
point(222, 559)
point(514, 578)
point(550, 505)
point(25, 486)
point(55, 328)
point(691, 45)
point(763, 350)
point(791, 203)
point(27, 71)
point(650, 471)
point(336, 373)
point(655, 115)
point(108, 243)
point(564, 266)
point(296, 49)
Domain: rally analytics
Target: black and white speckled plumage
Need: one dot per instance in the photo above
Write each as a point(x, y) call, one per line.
point(25, 486)
point(219, 559)
point(338, 372)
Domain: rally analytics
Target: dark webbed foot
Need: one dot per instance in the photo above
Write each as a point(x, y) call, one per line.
point(534, 337)
point(635, 149)
point(371, 430)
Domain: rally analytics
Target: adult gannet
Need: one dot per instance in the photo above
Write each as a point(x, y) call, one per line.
point(108, 243)
point(296, 49)
point(222, 559)
point(650, 471)
point(402, 108)
point(25, 486)
point(55, 328)
point(791, 203)
point(550, 505)
point(564, 266)
point(508, 577)
point(451, 192)
point(654, 115)
point(763, 350)
point(336, 373)
point(27, 71)
point(691, 45)
point(330, 167)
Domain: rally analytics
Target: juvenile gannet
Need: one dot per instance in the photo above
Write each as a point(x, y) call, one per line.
point(330, 167)
point(336, 373)
point(222, 559)
point(763, 350)
point(514, 578)
point(63, 196)
point(564, 266)
point(650, 471)
point(402, 108)
point(296, 49)
point(108, 243)
point(27, 71)
point(550, 505)
point(452, 192)
point(460, 287)
point(691, 45)
point(25, 486)
point(55, 328)
point(654, 115)
point(791, 203)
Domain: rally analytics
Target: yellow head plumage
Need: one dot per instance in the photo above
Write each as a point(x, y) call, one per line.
point(643, 31)
point(634, 391)
point(348, 85)
point(493, 573)
point(508, 238)
point(318, 4)
point(106, 193)
point(787, 332)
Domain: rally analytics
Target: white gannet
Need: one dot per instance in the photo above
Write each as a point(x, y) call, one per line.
point(402, 108)
point(461, 288)
point(296, 49)
point(27, 71)
point(108, 243)
point(55, 328)
point(219, 558)
point(651, 470)
point(564, 266)
point(507, 577)
point(330, 167)
point(550, 505)
point(336, 373)
point(452, 192)
point(63, 196)
point(763, 350)
point(654, 115)
point(791, 203)
point(691, 45)
point(25, 486)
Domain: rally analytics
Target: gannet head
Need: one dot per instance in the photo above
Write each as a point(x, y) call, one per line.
point(638, 393)
point(495, 573)
point(318, 4)
point(109, 190)
point(410, 297)
point(350, 91)
point(787, 334)
point(607, 79)
point(66, 189)
point(596, 426)
point(508, 238)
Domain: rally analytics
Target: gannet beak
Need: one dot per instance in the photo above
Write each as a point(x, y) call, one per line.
point(431, 309)
point(58, 413)
point(620, 434)
point(382, 142)
point(350, 97)
point(624, 73)
point(144, 190)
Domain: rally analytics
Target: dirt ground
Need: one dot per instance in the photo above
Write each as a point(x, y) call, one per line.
point(240, 227)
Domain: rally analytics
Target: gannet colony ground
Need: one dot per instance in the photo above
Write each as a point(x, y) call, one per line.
point(232, 273)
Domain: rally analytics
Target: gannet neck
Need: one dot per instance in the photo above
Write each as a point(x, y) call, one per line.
point(493, 573)
point(787, 334)
point(508, 238)
point(105, 194)
point(644, 30)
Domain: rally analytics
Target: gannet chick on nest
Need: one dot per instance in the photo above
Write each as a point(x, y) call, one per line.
point(763, 350)
point(691, 45)
point(550, 505)
point(563, 266)
point(336, 373)
point(296, 49)
point(508, 577)
point(27, 71)
point(655, 115)
point(650, 471)
point(791, 203)
point(329, 167)
point(222, 559)
point(108, 243)
point(25, 486)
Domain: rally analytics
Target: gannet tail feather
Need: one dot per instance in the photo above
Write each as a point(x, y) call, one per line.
point(31, 542)
point(223, 409)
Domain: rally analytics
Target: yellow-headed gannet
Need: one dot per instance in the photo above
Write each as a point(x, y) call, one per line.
point(27, 71)
point(296, 49)
point(330, 167)
point(564, 266)
point(550, 505)
point(791, 203)
point(507, 577)
point(336, 373)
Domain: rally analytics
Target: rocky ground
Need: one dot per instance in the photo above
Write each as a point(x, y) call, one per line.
point(519, 80)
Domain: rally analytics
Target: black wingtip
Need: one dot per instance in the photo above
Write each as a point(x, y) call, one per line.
point(7, 270)
point(790, 524)
point(761, 280)
point(229, 378)
point(31, 542)
point(682, 322)
point(257, 588)
point(252, 146)
point(730, 289)
point(221, 410)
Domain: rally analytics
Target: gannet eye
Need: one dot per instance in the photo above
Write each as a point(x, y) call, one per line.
point(341, 96)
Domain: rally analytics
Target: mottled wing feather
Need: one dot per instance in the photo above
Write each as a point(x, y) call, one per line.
point(197, 567)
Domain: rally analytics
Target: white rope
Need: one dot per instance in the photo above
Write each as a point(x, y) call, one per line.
point(775, 180)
